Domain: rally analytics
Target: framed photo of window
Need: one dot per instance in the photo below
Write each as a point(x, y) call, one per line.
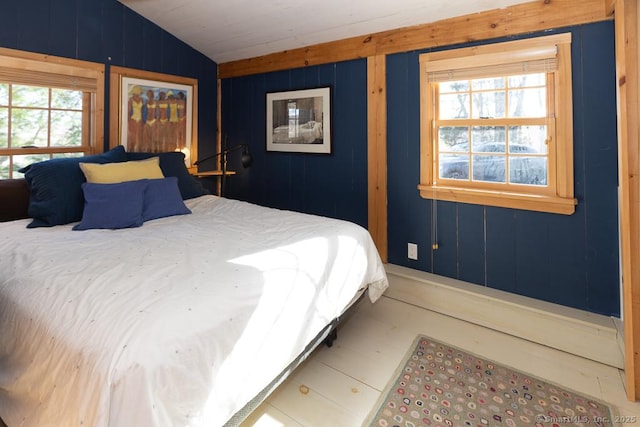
point(299, 121)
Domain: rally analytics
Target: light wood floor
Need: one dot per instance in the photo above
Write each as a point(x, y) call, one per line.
point(338, 386)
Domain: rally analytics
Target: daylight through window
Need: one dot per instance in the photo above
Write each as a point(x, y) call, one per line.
point(47, 109)
point(496, 125)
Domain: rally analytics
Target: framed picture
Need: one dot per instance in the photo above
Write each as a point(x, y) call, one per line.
point(299, 121)
point(153, 112)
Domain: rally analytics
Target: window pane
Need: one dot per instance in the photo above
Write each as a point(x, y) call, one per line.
point(527, 102)
point(66, 128)
point(528, 139)
point(489, 168)
point(483, 136)
point(454, 106)
point(453, 138)
point(21, 161)
point(4, 127)
point(488, 105)
point(528, 80)
point(528, 170)
point(30, 96)
point(28, 128)
point(455, 86)
point(454, 166)
point(4, 167)
point(67, 99)
point(67, 155)
point(4, 94)
point(491, 83)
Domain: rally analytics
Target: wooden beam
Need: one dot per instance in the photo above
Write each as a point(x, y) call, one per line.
point(626, 35)
point(523, 18)
point(377, 151)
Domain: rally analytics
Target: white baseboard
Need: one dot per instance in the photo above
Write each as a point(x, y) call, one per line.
point(578, 332)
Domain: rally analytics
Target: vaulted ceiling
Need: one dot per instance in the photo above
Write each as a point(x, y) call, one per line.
point(229, 30)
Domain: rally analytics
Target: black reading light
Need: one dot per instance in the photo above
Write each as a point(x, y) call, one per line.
point(245, 159)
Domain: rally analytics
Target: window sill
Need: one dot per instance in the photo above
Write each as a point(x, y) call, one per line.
point(549, 204)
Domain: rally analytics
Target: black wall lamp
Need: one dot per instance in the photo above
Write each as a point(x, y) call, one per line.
point(246, 159)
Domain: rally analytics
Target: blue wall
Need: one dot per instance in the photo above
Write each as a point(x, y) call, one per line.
point(106, 32)
point(332, 185)
point(569, 260)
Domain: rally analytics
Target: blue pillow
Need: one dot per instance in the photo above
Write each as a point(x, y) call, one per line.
point(113, 206)
point(162, 198)
point(172, 164)
point(56, 187)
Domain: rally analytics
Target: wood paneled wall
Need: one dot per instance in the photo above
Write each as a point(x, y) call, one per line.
point(626, 17)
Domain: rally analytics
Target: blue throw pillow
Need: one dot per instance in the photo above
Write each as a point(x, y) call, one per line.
point(56, 187)
point(162, 198)
point(113, 206)
point(172, 164)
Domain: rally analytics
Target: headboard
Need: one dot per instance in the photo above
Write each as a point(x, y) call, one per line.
point(14, 199)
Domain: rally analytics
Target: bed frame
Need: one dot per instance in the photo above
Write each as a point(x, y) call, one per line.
point(14, 199)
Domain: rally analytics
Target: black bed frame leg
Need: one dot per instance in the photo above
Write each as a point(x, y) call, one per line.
point(333, 335)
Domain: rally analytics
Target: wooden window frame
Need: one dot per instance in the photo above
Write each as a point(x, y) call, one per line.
point(19, 67)
point(558, 195)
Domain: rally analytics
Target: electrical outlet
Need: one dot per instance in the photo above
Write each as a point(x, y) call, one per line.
point(412, 251)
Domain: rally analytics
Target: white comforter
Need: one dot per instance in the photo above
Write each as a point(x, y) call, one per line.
point(177, 323)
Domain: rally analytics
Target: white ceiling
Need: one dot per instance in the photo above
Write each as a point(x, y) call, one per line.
point(228, 30)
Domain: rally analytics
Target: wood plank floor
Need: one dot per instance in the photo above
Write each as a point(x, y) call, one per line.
point(338, 386)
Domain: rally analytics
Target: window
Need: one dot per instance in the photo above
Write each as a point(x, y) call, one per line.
point(496, 125)
point(49, 107)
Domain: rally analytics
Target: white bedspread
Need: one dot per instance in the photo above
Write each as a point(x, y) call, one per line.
point(177, 323)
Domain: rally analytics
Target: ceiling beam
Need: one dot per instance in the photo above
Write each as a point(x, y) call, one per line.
point(519, 19)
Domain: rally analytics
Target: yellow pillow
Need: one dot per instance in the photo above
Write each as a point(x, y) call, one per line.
point(111, 173)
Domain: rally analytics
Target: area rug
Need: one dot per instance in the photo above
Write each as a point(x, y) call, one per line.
point(443, 386)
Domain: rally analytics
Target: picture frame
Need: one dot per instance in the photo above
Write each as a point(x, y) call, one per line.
point(153, 112)
point(299, 121)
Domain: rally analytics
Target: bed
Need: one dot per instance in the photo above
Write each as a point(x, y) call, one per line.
point(306, 133)
point(188, 319)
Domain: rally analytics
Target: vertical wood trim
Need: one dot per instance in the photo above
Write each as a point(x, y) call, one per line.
point(97, 132)
point(377, 151)
point(427, 115)
point(626, 35)
point(114, 108)
point(564, 127)
point(219, 134)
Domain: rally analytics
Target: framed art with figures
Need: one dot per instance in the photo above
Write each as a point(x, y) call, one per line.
point(153, 112)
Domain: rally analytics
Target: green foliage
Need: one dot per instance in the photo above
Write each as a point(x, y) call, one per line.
point(37, 117)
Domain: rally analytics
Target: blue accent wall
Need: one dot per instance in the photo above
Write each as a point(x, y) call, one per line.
point(569, 260)
point(105, 31)
point(332, 185)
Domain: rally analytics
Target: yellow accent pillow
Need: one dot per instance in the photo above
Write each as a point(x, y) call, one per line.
point(111, 173)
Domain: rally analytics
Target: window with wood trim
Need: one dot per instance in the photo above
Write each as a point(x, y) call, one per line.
point(49, 107)
point(496, 125)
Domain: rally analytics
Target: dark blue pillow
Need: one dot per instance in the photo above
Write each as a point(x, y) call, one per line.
point(113, 206)
point(56, 187)
point(172, 164)
point(162, 198)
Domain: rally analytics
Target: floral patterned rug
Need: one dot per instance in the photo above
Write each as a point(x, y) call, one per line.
point(440, 385)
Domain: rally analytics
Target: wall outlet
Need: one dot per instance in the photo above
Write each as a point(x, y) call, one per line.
point(412, 251)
